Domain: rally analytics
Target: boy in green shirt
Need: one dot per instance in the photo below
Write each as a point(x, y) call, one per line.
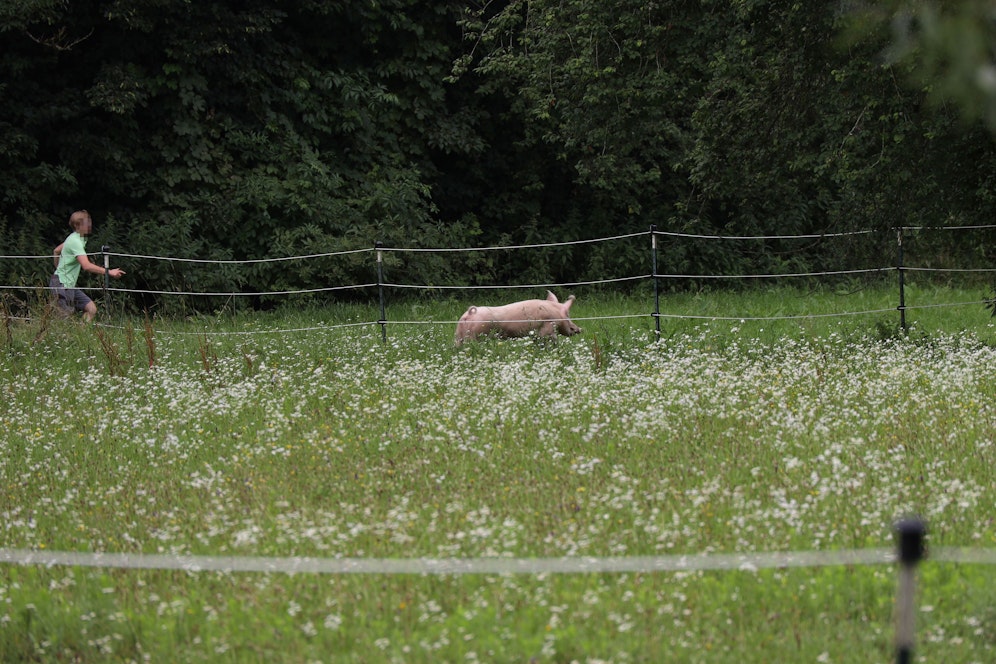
point(70, 258)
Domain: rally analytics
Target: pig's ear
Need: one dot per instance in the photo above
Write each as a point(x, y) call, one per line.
point(550, 297)
point(567, 305)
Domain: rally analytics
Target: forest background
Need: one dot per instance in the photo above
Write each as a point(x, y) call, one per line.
point(236, 130)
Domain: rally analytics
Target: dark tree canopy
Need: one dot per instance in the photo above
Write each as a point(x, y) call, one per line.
point(236, 130)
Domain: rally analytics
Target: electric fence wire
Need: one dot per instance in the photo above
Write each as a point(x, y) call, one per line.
point(747, 562)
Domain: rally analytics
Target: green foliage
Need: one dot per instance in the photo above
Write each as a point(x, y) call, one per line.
point(243, 130)
point(949, 47)
point(227, 130)
point(607, 86)
point(733, 118)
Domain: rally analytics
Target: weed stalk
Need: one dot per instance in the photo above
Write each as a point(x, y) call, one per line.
point(150, 339)
point(115, 366)
point(8, 334)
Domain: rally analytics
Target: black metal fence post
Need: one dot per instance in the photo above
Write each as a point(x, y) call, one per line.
point(657, 297)
point(107, 278)
point(909, 535)
point(380, 287)
point(902, 280)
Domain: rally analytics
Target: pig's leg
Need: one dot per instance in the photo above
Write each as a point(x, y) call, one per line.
point(547, 329)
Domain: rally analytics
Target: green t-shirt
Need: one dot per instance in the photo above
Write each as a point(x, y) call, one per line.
point(69, 268)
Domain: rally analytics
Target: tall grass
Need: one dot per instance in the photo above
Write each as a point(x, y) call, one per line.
point(283, 435)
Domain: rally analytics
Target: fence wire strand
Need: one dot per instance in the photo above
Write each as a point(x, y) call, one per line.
point(779, 276)
point(543, 245)
point(744, 562)
point(776, 318)
point(655, 232)
point(248, 261)
point(809, 236)
point(566, 284)
point(949, 269)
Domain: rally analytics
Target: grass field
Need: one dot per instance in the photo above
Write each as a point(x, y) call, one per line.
point(280, 435)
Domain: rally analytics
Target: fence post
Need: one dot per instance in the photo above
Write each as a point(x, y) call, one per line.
point(910, 533)
point(380, 287)
point(107, 279)
point(902, 280)
point(657, 297)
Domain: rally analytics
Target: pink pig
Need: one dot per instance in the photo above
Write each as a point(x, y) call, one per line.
point(545, 317)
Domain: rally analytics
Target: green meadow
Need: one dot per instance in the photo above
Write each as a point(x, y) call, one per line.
point(758, 422)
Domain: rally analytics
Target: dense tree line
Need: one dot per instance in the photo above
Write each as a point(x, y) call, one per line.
point(234, 130)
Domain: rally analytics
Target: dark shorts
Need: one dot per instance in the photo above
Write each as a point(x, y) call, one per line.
point(68, 298)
